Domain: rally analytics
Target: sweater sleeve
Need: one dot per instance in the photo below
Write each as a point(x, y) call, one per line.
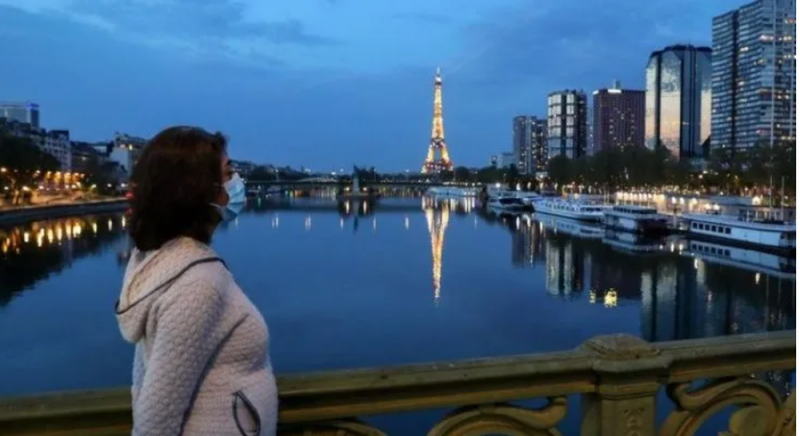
point(186, 335)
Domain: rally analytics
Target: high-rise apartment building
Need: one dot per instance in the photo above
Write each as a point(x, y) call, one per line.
point(753, 75)
point(678, 101)
point(618, 118)
point(530, 143)
point(566, 124)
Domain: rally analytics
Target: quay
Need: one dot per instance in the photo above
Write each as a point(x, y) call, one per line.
point(22, 214)
point(617, 377)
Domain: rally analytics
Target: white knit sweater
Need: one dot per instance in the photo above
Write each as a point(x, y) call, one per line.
point(201, 366)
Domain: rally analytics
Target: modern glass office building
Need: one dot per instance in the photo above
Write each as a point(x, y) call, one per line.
point(678, 101)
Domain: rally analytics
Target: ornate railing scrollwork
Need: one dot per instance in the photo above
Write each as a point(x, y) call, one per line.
point(787, 421)
point(503, 419)
point(332, 428)
point(758, 414)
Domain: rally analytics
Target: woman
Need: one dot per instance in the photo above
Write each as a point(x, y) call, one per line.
point(201, 365)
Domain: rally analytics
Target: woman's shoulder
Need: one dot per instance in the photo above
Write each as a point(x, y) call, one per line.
point(210, 275)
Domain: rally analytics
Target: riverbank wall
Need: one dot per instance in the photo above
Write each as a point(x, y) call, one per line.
point(33, 213)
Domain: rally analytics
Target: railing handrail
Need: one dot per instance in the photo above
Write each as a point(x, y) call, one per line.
point(357, 392)
point(569, 372)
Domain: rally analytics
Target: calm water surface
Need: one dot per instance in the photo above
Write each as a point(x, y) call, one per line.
point(399, 281)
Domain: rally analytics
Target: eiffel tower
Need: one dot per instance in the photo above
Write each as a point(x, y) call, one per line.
point(433, 165)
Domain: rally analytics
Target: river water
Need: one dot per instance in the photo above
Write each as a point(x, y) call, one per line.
point(399, 281)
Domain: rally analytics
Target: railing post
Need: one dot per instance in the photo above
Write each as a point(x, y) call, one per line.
point(624, 402)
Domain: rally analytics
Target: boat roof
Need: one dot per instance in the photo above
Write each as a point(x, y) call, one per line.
point(735, 222)
point(635, 206)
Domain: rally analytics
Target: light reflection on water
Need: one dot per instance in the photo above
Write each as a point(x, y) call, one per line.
point(363, 283)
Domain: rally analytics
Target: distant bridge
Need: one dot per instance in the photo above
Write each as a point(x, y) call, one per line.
point(329, 182)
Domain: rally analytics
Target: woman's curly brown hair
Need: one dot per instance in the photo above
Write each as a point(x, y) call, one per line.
point(174, 182)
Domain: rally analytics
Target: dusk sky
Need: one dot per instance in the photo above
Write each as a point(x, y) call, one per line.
point(328, 83)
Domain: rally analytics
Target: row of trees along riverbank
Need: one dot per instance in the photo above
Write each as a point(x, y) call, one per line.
point(727, 171)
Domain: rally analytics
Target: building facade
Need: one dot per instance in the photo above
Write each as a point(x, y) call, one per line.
point(590, 130)
point(678, 101)
point(23, 112)
point(754, 74)
point(125, 150)
point(618, 118)
point(84, 153)
point(566, 124)
point(503, 160)
point(55, 142)
point(530, 143)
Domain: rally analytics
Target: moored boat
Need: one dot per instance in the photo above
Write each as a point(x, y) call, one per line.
point(571, 209)
point(507, 203)
point(636, 219)
point(529, 198)
point(775, 236)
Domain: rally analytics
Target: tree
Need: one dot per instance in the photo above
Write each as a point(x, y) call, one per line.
point(726, 167)
point(22, 164)
point(608, 170)
point(490, 174)
point(263, 173)
point(559, 170)
point(770, 165)
point(463, 174)
point(101, 176)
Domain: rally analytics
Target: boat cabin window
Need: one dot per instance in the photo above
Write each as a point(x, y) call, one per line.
point(727, 230)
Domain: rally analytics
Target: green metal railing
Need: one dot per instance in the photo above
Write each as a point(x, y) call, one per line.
point(618, 378)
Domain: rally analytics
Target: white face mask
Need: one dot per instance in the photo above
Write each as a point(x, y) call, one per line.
point(236, 198)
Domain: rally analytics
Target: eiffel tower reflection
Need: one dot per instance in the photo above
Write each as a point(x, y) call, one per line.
point(438, 218)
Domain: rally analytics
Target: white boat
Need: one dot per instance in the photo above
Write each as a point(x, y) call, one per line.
point(766, 235)
point(529, 198)
point(570, 209)
point(452, 191)
point(636, 219)
point(497, 192)
point(509, 203)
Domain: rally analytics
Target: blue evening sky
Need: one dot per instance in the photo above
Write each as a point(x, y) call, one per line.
point(328, 83)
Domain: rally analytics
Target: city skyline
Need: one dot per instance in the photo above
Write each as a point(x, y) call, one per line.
point(225, 66)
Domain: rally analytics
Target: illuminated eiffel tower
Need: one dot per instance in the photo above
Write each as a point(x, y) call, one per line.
point(433, 165)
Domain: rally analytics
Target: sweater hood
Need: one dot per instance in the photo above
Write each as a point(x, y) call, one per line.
point(149, 276)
